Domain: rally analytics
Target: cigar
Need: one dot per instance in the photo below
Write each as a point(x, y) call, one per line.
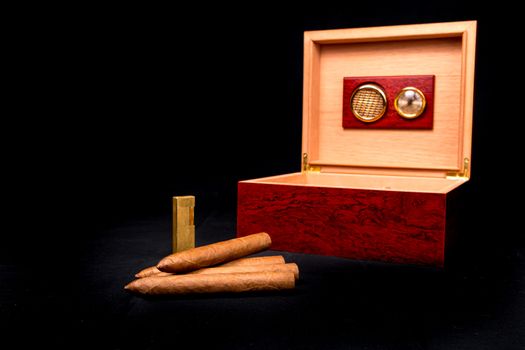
point(219, 283)
point(151, 271)
point(291, 267)
point(213, 254)
point(258, 260)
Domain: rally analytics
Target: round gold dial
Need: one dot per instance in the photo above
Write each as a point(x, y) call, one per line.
point(410, 103)
point(368, 102)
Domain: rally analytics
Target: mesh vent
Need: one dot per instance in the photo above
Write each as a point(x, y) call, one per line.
point(368, 103)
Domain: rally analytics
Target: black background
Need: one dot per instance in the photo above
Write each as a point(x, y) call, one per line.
point(118, 109)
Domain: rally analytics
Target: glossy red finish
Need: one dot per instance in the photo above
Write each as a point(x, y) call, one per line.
point(392, 86)
point(389, 226)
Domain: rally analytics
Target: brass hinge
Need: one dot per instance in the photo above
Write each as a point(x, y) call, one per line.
point(307, 166)
point(463, 173)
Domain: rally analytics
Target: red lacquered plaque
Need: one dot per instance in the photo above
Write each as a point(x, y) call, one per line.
point(391, 86)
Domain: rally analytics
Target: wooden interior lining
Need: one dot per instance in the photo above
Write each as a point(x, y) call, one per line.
point(422, 149)
point(368, 182)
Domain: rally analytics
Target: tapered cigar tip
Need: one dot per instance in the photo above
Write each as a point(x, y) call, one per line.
point(165, 265)
point(162, 265)
point(127, 287)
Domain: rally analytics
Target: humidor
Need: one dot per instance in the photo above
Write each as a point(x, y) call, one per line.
point(365, 193)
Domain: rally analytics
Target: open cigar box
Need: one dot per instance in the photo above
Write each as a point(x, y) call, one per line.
point(374, 189)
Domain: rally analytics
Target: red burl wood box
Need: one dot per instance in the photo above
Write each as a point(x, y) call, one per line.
point(371, 193)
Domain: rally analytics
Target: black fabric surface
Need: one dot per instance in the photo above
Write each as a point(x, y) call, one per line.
point(337, 304)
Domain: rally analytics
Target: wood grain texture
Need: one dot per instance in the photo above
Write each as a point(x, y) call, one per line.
point(437, 148)
point(389, 226)
point(391, 86)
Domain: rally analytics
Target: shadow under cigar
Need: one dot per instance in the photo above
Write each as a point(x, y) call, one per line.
point(206, 296)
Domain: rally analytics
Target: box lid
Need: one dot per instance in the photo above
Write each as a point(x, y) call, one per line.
point(445, 50)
